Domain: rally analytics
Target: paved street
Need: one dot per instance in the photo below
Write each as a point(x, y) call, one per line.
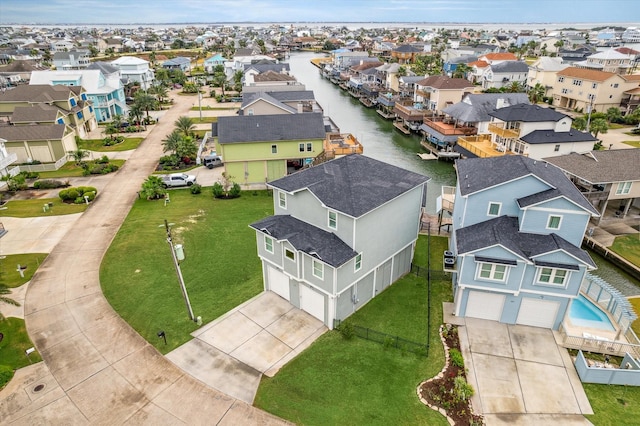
point(97, 369)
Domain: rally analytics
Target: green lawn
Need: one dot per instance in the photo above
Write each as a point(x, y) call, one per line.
point(197, 120)
point(71, 169)
point(628, 246)
point(635, 144)
point(210, 108)
point(362, 381)
point(613, 405)
point(35, 208)
point(9, 275)
point(14, 344)
point(635, 302)
point(98, 145)
point(221, 270)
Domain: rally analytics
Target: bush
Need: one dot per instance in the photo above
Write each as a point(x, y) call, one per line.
point(196, 188)
point(235, 191)
point(347, 330)
point(218, 190)
point(463, 390)
point(17, 183)
point(30, 175)
point(48, 184)
point(6, 374)
point(102, 160)
point(77, 193)
point(456, 357)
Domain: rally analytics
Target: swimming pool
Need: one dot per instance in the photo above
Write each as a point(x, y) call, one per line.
point(583, 313)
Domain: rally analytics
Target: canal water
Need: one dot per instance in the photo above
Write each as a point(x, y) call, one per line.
point(378, 136)
point(382, 141)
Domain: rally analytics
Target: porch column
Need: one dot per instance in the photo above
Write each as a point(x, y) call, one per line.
point(627, 206)
point(603, 210)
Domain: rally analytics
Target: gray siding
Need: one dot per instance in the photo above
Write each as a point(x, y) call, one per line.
point(573, 221)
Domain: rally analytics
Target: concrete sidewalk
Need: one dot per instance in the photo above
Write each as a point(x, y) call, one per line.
point(97, 368)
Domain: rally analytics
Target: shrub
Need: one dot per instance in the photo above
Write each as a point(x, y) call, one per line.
point(196, 188)
point(79, 200)
point(347, 330)
point(17, 183)
point(234, 192)
point(218, 190)
point(102, 160)
point(48, 184)
point(30, 175)
point(456, 357)
point(462, 390)
point(97, 169)
point(75, 193)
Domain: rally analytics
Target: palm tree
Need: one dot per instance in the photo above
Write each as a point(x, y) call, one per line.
point(461, 71)
point(514, 87)
point(145, 101)
point(579, 123)
point(613, 114)
point(536, 93)
point(185, 125)
point(135, 113)
point(599, 125)
point(152, 188)
point(78, 155)
point(170, 144)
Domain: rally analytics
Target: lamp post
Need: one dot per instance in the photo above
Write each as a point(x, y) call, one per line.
point(178, 271)
point(589, 109)
point(200, 103)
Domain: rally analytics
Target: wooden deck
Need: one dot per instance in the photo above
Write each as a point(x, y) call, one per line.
point(429, 223)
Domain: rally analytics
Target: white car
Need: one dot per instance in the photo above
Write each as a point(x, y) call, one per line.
point(178, 179)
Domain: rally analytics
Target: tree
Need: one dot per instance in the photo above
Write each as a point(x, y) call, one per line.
point(186, 148)
point(514, 87)
point(237, 79)
point(461, 71)
point(145, 101)
point(614, 115)
point(599, 125)
point(536, 93)
point(5, 299)
point(170, 144)
point(152, 188)
point(78, 155)
point(579, 123)
point(185, 125)
point(135, 113)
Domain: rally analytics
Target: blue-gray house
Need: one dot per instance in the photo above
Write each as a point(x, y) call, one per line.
point(518, 226)
point(342, 232)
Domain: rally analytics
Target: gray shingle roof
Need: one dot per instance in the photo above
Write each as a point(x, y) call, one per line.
point(444, 82)
point(36, 132)
point(617, 165)
point(316, 242)
point(509, 66)
point(105, 67)
point(476, 174)
point(504, 231)
point(549, 136)
point(249, 98)
point(527, 113)
point(35, 113)
point(476, 108)
point(36, 93)
point(353, 184)
point(276, 127)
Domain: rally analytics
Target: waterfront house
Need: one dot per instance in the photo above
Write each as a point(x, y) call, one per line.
point(324, 250)
point(101, 83)
point(261, 148)
point(504, 74)
point(439, 91)
point(46, 104)
point(178, 63)
point(212, 62)
point(279, 102)
point(518, 225)
point(543, 71)
point(609, 179)
point(530, 130)
point(135, 71)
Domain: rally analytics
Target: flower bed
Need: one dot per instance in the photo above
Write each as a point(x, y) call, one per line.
point(448, 392)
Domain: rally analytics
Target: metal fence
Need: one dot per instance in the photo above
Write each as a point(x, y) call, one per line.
point(385, 339)
point(424, 272)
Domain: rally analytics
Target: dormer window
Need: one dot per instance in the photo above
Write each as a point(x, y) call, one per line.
point(494, 209)
point(554, 222)
point(73, 102)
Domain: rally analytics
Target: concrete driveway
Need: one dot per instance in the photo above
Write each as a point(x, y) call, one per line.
point(258, 337)
point(521, 375)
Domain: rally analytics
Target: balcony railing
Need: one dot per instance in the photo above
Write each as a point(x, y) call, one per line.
point(448, 127)
point(8, 160)
point(448, 197)
point(338, 144)
point(499, 130)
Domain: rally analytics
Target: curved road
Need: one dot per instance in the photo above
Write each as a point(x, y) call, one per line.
point(100, 371)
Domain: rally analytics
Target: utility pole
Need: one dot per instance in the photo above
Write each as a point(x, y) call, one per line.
point(590, 108)
point(178, 271)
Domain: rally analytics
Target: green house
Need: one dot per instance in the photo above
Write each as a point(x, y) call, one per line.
point(261, 148)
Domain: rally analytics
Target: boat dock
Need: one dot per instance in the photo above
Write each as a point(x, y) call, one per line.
point(437, 154)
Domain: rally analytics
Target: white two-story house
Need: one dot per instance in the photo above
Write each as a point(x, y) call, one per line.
point(341, 233)
point(518, 225)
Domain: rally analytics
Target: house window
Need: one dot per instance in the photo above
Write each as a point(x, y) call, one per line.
point(60, 121)
point(560, 79)
point(79, 114)
point(84, 97)
point(289, 254)
point(594, 85)
point(282, 200)
point(492, 271)
point(552, 276)
point(333, 220)
point(90, 108)
point(268, 244)
point(577, 82)
point(554, 222)
point(494, 209)
point(358, 263)
point(309, 147)
point(565, 91)
point(274, 149)
point(301, 147)
point(615, 86)
point(73, 102)
point(250, 111)
point(318, 269)
point(623, 188)
point(556, 148)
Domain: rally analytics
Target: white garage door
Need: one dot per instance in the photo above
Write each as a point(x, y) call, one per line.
point(485, 305)
point(538, 313)
point(278, 283)
point(312, 302)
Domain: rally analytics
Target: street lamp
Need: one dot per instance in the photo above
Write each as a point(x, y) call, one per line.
point(178, 271)
point(589, 109)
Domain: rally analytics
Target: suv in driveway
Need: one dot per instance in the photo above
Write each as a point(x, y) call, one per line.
point(211, 161)
point(177, 179)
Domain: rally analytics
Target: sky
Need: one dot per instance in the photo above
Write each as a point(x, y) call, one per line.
point(225, 11)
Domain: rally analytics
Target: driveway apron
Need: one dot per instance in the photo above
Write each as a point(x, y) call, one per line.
point(98, 369)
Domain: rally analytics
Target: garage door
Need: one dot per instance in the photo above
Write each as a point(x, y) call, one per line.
point(278, 282)
point(312, 302)
point(485, 305)
point(538, 313)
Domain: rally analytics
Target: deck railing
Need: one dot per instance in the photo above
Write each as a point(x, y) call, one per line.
point(499, 130)
point(590, 344)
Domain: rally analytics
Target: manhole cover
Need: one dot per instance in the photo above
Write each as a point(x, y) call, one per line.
point(38, 388)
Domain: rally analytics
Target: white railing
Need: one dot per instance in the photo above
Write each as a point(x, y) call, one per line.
point(8, 160)
point(591, 344)
point(44, 167)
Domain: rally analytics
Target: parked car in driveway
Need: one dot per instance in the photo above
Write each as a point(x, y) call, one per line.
point(177, 179)
point(211, 161)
